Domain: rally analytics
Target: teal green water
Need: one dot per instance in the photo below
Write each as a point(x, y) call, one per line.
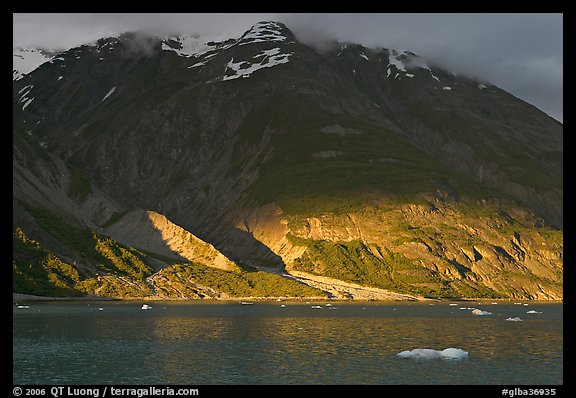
point(216, 343)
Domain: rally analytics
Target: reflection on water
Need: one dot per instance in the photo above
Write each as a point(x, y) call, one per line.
point(264, 344)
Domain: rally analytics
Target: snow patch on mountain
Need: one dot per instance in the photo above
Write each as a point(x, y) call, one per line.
point(244, 69)
point(263, 32)
point(195, 46)
point(109, 93)
point(393, 59)
point(25, 60)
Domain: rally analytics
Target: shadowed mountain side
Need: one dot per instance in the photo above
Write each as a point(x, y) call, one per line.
point(249, 251)
point(153, 232)
point(255, 236)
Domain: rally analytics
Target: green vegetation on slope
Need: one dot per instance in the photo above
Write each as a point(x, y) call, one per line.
point(241, 284)
point(371, 266)
point(109, 255)
point(37, 271)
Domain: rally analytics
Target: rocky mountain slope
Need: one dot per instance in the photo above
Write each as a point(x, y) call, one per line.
point(260, 153)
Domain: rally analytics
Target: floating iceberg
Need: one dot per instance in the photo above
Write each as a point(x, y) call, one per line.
point(515, 319)
point(428, 353)
point(533, 312)
point(476, 311)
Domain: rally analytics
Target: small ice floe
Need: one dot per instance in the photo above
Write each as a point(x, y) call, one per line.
point(453, 304)
point(328, 305)
point(470, 308)
point(246, 303)
point(525, 305)
point(23, 306)
point(100, 309)
point(533, 312)
point(145, 307)
point(476, 311)
point(316, 307)
point(428, 353)
point(283, 306)
point(494, 303)
point(515, 319)
point(462, 308)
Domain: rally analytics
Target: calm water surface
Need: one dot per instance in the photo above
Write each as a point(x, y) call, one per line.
point(219, 343)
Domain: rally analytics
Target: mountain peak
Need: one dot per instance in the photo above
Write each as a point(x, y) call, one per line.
point(266, 31)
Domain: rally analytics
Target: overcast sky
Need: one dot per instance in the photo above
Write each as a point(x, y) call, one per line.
point(521, 53)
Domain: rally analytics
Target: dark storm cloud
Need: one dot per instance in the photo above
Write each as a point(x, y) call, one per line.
point(521, 53)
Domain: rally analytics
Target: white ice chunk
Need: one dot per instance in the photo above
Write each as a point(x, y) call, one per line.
point(515, 319)
point(480, 312)
point(364, 56)
point(447, 88)
point(59, 78)
point(428, 353)
point(409, 75)
point(533, 312)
